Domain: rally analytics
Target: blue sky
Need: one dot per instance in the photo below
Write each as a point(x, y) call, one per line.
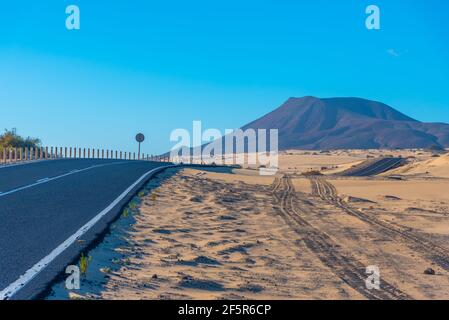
point(154, 66)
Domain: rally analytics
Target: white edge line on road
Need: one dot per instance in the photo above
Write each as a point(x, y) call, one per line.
point(10, 165)
point(45, 180)
point(30, 274)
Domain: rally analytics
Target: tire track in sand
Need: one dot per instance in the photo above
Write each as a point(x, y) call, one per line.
point(347, 268)
point(439, 255)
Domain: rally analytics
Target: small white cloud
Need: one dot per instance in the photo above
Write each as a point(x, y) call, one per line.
point(393, 52)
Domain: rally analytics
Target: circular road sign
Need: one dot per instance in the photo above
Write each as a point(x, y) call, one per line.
point(140, 137)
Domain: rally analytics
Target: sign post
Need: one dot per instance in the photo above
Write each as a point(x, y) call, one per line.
point(139, 138)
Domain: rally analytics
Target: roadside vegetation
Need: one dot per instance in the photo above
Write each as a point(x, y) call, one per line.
point(10, 139)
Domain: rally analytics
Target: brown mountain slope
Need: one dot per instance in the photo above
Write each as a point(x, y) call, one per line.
point(348, 123)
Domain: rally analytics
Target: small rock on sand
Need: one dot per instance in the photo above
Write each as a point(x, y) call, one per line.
point(350, 199)
point(429, 271)
point(393, 198)
point(196, 199)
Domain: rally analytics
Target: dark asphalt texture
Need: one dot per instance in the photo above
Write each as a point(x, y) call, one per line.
point(36, 220)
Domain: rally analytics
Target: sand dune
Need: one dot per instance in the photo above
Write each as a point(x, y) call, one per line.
point(226, 233)
point(436, 167)
point(205, 235)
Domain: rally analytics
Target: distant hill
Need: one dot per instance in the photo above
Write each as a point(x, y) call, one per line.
point(348, 123)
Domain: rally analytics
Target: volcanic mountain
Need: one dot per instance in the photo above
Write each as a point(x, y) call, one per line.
point(348, 123)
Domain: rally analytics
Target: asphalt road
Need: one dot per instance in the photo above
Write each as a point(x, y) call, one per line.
point(374, 168)
point(47, 207)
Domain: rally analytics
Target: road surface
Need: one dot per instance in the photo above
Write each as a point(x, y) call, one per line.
point(50, 211)
point(375, 167)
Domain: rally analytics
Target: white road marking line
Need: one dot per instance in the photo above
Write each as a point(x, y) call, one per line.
point(31, 273)
point(4, 166)
point(45, 180)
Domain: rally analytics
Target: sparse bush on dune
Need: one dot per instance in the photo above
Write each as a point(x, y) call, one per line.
point(312, 173)
point(10, 139)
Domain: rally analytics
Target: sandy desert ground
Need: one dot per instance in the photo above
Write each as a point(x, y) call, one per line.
point(232, 234)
